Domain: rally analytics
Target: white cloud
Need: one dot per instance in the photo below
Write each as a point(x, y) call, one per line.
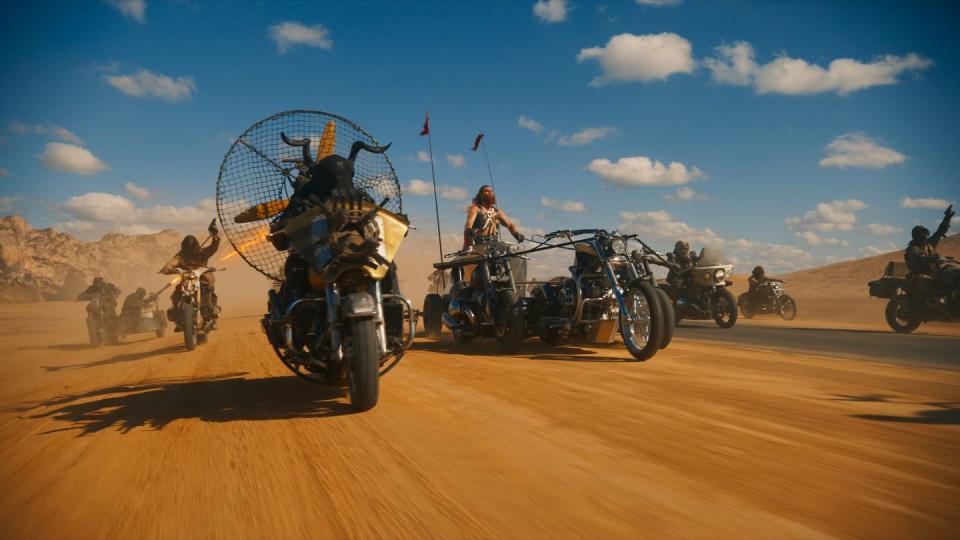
point(836, 215)
point(7, 203)
point(56, 131)
point(423, 156)
point(575, 207)
point(134, 9)
point(289, 35)
point(645, 58)
point(529, 123)
point(586, 136)
point(4, 172)
point(422, 187)
point(456, 160)
point(137, 192)
point(858, 150)
point(736, 64)
point(642, 171)
point(876, 229)
point(683, 194)
point(418, 187)
point(145, 83)
point(551, 11)
point(96, 213)
point(453, 193)
point(72, 159)
point(812, 239)
point(929, 202)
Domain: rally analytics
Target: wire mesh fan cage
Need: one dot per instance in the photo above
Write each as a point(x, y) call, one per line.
point(258, 171)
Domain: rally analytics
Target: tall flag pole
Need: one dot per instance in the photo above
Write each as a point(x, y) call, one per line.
point(433, 174)
point(476, 144)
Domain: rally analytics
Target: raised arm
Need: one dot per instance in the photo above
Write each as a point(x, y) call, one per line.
point(944, 225)
point(510, 226)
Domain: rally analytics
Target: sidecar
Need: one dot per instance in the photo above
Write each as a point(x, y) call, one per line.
point(149, 319)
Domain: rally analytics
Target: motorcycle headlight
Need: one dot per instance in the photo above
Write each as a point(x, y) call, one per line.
point(618, 246)
point(720, 274)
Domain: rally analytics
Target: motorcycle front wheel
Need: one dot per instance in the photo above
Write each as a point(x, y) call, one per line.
point(788, 308)
point(642, 336)
point(432, 315)
point(364, 365)
point(725, 309)
point(510, 326)
point(188, 321)
point(669, 318)
point(93, 331)
point(901, 317)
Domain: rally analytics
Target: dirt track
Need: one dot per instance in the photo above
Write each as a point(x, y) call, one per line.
point(143, 440)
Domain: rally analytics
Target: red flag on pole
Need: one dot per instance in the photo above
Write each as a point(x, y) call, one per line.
point(476, 143)
point(426, 125)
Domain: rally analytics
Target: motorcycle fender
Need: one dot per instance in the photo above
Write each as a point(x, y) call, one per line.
point(360, 304)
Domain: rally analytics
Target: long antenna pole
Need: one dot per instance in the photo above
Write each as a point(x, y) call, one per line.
point(436, 203)
point(487, 158)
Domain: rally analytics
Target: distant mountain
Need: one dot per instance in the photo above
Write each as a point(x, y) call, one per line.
point(43, 264)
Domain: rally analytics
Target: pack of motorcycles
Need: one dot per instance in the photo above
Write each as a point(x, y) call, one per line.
point(344, 320)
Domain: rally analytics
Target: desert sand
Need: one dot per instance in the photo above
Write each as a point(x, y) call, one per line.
point(144, 440)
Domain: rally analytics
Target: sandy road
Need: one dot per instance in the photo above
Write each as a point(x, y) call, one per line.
point(143, 440)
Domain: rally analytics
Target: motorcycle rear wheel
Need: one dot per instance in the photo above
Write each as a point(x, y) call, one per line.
point(669, 318)
point(788, 308)
point(727, 317)
point(643, 340)
point(188, 322)
point(365, 364)
point(901, 318)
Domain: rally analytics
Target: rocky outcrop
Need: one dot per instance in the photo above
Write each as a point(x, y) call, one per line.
point(38, 264)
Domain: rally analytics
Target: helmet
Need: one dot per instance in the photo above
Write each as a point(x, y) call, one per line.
point(758, 272)
point(681, 246)
point(98, 280)
point(920, 233)
point(189, 243)
point(141, 291)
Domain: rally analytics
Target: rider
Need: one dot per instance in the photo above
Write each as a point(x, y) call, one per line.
point(130, 311)
point(684, 259)
point(922, 257)
point(190, 257)
point(757, 278)
point(108, 294)
point(484, 219)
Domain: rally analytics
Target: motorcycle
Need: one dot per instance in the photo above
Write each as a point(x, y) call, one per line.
point(703, 293)
point(101, 320)
point(149, 318)
point(905, 312)
point(608, 291)
point(192, 314)
point(773, 299)
point(335, 312)
point(483, 299)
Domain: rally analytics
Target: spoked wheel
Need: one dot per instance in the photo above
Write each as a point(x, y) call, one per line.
point(510, 324)
point(669, 318)
point(788, 308)
point(188, 322)
point(432, 315)
point(364, 365)
point(725, 309)
point(643, 334)
point(901, 317)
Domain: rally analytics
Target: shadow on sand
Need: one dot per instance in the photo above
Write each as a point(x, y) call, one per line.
point(224, 398)
point(128, 357)
point(943, 413)
point(529, 350)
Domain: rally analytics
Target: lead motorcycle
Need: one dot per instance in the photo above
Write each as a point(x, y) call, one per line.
point(335, 313)
point(608, 291)
point(905, 312)
point(483, 300)
point(703, 293)
point(192, 314)
point(770, 298)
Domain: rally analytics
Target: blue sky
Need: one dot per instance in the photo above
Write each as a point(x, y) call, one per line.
point(796, 129)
